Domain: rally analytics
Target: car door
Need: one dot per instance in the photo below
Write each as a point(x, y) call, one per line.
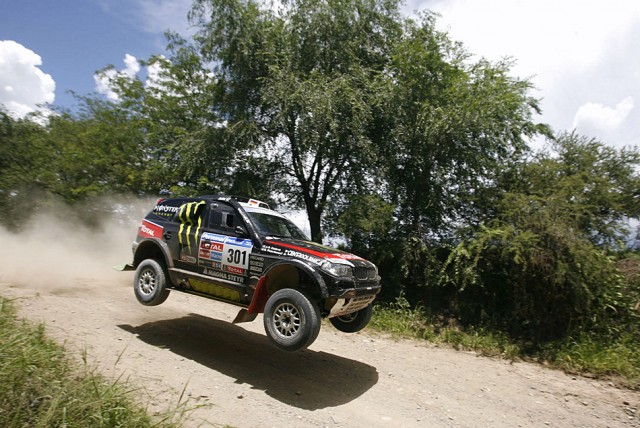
point(224, 252)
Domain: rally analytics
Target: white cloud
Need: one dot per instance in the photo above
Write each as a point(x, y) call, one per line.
point(156, 73)
point(132, 66)
point(23, 85)
point(540, 34)
point(598, 118)
point(574, 52)
point(162, 15)
point(104, 78)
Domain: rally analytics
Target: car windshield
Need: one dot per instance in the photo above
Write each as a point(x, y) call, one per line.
point(271, 225)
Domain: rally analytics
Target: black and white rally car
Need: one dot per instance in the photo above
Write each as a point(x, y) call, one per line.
point(239, 251)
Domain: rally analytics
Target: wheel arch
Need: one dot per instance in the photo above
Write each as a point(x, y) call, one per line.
point(287, 274)
point(152, 249)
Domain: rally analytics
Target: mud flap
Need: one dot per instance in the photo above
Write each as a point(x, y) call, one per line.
point(124, 267)
point(244, 316)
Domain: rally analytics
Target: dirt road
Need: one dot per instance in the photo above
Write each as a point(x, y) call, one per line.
point(360, 380)
point(231, 374)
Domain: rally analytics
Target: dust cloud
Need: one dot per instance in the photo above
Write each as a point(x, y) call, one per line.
point(63, 247)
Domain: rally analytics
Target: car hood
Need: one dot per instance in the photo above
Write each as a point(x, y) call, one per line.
point(310, 251)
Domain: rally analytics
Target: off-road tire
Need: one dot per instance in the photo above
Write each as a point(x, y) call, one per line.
point(150, 282)
point(291, 319)
point(353, 322)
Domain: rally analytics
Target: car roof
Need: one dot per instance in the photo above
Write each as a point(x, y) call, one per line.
point(261, 210)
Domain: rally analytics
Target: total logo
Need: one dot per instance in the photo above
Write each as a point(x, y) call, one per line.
point(144, 229)
point(149, 230)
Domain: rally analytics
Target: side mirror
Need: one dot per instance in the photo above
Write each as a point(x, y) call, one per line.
point(241, 232)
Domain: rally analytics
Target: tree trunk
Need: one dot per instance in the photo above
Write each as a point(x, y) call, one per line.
point(315, 215)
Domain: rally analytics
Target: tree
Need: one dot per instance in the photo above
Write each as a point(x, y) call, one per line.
point(305, 81)
point(597, 185)
point(24, 157)
point(95, 152)
point(185, 145)
point(455, 123)
point(351, 96)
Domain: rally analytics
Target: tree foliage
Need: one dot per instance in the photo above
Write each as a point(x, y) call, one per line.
point(540, 268)
point(453, 125)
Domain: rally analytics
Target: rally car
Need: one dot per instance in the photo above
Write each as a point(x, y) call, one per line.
point(237, 250)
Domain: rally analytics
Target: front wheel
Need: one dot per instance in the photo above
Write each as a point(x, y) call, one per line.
point(150, 283)
point(291, 319)
point(354, 321)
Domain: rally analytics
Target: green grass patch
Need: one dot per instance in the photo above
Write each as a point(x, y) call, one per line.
point(600, 357)
point(39, 387)
point(587, 354)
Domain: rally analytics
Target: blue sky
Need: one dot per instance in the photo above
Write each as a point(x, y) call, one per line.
point(582, 55)
point(75, 38)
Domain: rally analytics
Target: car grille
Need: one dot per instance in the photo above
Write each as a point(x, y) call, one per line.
point(364, 272)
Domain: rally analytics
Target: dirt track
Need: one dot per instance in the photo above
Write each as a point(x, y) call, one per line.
point(360, 380)
point(232, 375)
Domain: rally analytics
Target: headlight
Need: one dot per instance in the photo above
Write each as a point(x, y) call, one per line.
point(337, 269)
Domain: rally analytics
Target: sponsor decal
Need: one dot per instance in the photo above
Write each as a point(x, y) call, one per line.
point(190, 215)
point(188, 259)
point(213, 246)
point(165, 210)
point(346, 256)
point(310, 254)
point(256, 264)
point(303, 256)
point(213, 237)
point(234, 270)
point(150, 230)
point(223, 275)
point(211, 264)
point(232, 253)
point(256, 270)
point(272, 250)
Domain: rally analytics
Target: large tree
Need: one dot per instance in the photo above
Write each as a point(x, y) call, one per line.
point(306, 79)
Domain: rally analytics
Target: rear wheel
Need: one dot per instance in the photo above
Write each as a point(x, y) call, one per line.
point(150, 283)
point(291, 319)
point(354, 321)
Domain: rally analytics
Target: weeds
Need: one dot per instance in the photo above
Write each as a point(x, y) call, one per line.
point(601, 357)
point(40, 388)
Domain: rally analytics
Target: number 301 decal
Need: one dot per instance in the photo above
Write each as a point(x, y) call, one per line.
point(237, 257)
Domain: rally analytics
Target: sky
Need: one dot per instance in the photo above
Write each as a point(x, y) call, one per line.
point(583, 56)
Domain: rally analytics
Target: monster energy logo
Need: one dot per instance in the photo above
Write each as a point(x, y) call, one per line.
point(189, 216)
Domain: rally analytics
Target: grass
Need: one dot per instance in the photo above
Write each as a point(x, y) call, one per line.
point(601, 358)
point(39, 387)
point(587, 354)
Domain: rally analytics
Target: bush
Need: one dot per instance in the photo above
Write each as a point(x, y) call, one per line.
point(538, 281)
